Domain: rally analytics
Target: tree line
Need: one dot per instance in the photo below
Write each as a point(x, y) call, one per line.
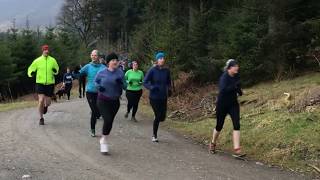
point(271, 39)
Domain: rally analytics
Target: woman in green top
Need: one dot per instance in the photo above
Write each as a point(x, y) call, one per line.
point(134, 78)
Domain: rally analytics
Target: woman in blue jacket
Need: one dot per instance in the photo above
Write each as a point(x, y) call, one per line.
point(158, 82)
point(90, 71)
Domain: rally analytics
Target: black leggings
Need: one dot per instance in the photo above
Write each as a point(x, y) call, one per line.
point(160, 112)
point(92, 100)
point(108, 111)
point(233, 111)
point(68, 90)
point(82, 86)
point(133, 101)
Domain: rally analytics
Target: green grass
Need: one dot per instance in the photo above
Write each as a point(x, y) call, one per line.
point(270, 133)
point(17, 105)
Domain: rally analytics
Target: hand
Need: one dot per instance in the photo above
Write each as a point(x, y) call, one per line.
point(33, 74)
point(240, 92)
point(101, 89)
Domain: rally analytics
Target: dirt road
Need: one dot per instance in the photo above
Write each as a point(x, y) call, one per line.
point(63, 150)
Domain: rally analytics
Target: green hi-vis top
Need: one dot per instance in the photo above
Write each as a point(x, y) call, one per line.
point(46, 68)
point(134, 80)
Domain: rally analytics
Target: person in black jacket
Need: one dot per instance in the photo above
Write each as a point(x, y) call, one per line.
point(67, 82)
point(227, 103)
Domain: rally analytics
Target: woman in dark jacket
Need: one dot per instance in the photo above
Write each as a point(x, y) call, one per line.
point(227, 103)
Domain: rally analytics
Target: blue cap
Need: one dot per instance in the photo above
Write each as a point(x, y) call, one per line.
point(159, 55)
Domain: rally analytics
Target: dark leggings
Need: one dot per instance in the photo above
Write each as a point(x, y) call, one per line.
point(92, 100)
point(160, 111)
point(133, 101)
point(108, 110)
point(82, 86)
point(233, 111)
point(68, 90)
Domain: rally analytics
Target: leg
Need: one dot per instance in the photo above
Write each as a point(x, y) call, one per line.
point(136, 103)
point(163, 110)
point(157, 113)
point(235, 116)
point(79, 88)
point(221, 115)
point(92, 101)
point(129, 96)
point(108, 111)
point(41, 102)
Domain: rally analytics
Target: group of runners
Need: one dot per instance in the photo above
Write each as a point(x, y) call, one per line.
point(105, 82)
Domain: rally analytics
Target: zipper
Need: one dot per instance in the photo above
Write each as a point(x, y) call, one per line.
point(46, 70)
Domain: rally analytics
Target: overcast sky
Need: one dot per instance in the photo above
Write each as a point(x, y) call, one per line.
point(39, 12)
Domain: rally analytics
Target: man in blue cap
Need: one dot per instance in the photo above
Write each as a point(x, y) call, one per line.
point(158, 82)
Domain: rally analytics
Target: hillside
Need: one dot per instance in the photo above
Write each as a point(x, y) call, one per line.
point(278, 129)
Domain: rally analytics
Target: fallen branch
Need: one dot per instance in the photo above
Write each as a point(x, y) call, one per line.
point(314, 167)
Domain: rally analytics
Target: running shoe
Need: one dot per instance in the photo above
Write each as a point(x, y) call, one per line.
point(134, 119)
point(104, 149)
point(93, 133)
point(41, 122)
point(154, 139)
point(126, 115)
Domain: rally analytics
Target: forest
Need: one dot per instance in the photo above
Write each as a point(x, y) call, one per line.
point(272, 40)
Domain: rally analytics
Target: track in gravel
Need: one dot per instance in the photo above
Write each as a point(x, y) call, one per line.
point(63, 149)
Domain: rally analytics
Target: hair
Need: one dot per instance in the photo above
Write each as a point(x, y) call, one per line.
point(96, 51)
point(230, 63)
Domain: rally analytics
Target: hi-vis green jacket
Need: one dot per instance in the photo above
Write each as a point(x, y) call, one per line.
point(46, 68)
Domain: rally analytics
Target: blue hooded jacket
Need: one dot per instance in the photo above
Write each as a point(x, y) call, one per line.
point(158, 81)
point(90, 71)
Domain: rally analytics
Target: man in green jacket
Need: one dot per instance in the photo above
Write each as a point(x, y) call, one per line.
point(45, 67)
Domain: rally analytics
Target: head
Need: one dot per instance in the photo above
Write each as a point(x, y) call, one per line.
point(232, 67)
point(45, 50)
point(112, 61)
point(95, 56)
point(135, 65)
point(68, 70)
point(160, 59)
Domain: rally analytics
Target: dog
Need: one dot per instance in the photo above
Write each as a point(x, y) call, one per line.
point(60, 93)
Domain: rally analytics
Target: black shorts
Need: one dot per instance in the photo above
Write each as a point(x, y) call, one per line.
point(47, 90)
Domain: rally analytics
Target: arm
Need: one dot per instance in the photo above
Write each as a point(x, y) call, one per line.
point(32, 68)
point(55, 68)
point(83, 71)
point(169, 84)
point(147, 80)
point(97, 82)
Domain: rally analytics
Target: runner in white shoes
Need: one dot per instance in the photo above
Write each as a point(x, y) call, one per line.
point(110, 82)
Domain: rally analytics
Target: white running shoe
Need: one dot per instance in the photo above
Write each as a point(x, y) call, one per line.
point(154, 139)
point(104, 146)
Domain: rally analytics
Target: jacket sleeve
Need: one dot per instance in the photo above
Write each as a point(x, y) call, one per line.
point(32, 68)
point(83, 71)
point(97, 80)
point(224, 86)
point(126, 76)
point(56, 67)
point(169, 79)
point(147, 80)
